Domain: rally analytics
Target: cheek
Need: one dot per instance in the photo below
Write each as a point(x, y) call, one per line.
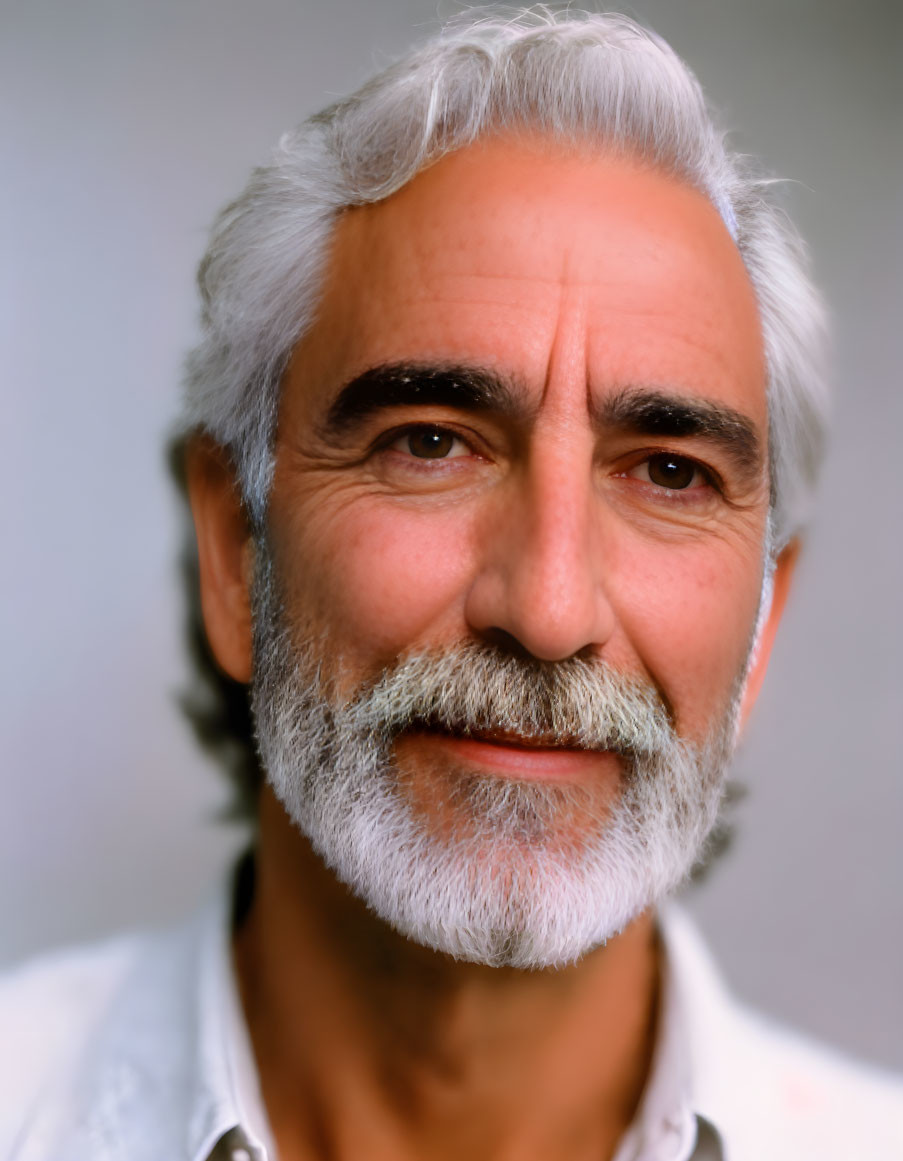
point(689, 615)
point(382, 580)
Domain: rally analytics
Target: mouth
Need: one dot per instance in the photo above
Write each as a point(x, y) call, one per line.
point(507, 754)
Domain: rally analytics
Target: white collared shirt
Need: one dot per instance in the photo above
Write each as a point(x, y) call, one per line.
point(137, 1050)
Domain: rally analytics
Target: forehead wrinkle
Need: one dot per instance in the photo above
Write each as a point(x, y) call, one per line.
point(568, 356)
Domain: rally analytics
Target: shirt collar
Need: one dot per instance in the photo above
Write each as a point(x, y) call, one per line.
point(227, 1090)
point(686, 1094)
point(172, 1072)
point(674, 1112)
point(705, 1019)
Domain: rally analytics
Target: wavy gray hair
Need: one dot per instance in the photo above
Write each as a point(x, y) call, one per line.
point(576, 76)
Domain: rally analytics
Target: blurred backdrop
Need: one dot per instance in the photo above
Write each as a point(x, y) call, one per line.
point(125, 125)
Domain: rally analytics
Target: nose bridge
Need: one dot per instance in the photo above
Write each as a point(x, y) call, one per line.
point(543, 579)
point(558, 477)
point(556, 529)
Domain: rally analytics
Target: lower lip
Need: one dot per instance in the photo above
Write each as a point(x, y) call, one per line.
point(525, 763)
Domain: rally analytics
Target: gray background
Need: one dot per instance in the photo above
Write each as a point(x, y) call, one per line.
point(125, 125)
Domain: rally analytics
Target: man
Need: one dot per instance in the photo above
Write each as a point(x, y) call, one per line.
point(501, 433)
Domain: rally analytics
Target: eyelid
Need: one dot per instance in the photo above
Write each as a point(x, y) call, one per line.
point(458, 450)
point(386, 439)
point(712, 477)
point(706, 491)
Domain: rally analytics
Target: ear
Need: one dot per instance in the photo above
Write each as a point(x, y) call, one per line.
point(225, 554)
point(784, 570)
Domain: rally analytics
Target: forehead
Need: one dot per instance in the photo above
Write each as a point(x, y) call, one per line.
point(540, 262)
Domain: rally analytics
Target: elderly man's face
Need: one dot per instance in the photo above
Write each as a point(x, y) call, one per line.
point(531, 414)
point(562, 518)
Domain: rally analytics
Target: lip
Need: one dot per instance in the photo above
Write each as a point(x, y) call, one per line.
point(511, 756)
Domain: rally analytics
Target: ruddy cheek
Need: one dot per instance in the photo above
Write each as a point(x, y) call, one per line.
point(395, 580)
point(690, 624)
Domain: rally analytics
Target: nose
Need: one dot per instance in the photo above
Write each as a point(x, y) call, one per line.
point(540, 581)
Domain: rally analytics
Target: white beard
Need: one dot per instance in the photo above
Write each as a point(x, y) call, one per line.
point(528, 875)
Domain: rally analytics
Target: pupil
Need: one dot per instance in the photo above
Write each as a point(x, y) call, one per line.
point(671, 471)
point(430, 445)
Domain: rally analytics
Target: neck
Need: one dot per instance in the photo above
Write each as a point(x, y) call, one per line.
point(370, 1045)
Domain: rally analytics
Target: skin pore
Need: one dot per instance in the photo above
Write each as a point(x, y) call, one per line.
point(531, 411)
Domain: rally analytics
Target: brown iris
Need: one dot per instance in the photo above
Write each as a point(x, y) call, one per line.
point(671, 471)
point(430, 443)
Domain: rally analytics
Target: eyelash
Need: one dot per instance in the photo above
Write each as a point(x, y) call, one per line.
point(387, 441)
point(709, 478)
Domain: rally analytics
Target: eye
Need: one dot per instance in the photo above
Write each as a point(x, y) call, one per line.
point(431, 443)
point(676, 473)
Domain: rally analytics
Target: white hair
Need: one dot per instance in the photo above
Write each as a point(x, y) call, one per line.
point(575, 76)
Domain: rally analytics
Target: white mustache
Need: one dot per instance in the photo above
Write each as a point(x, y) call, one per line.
point(528, 875)
point(472, 688)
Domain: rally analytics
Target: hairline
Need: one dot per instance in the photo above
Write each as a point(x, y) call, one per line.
point(262, 277)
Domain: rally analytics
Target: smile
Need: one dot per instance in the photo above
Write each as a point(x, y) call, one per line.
point(509, 755)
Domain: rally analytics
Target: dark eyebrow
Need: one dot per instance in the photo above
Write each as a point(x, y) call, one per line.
point(651, 412)
point(413, 385)
point(639, 409)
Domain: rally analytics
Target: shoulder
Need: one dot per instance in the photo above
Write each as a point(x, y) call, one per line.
point(50, 1009)
point(773, 1092)
point(807, 1099)
point(96, 1044)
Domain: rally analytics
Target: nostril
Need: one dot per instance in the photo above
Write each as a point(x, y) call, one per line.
point(505, 641)
point(508, 643)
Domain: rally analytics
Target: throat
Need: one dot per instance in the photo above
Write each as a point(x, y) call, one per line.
point(437, 1057)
